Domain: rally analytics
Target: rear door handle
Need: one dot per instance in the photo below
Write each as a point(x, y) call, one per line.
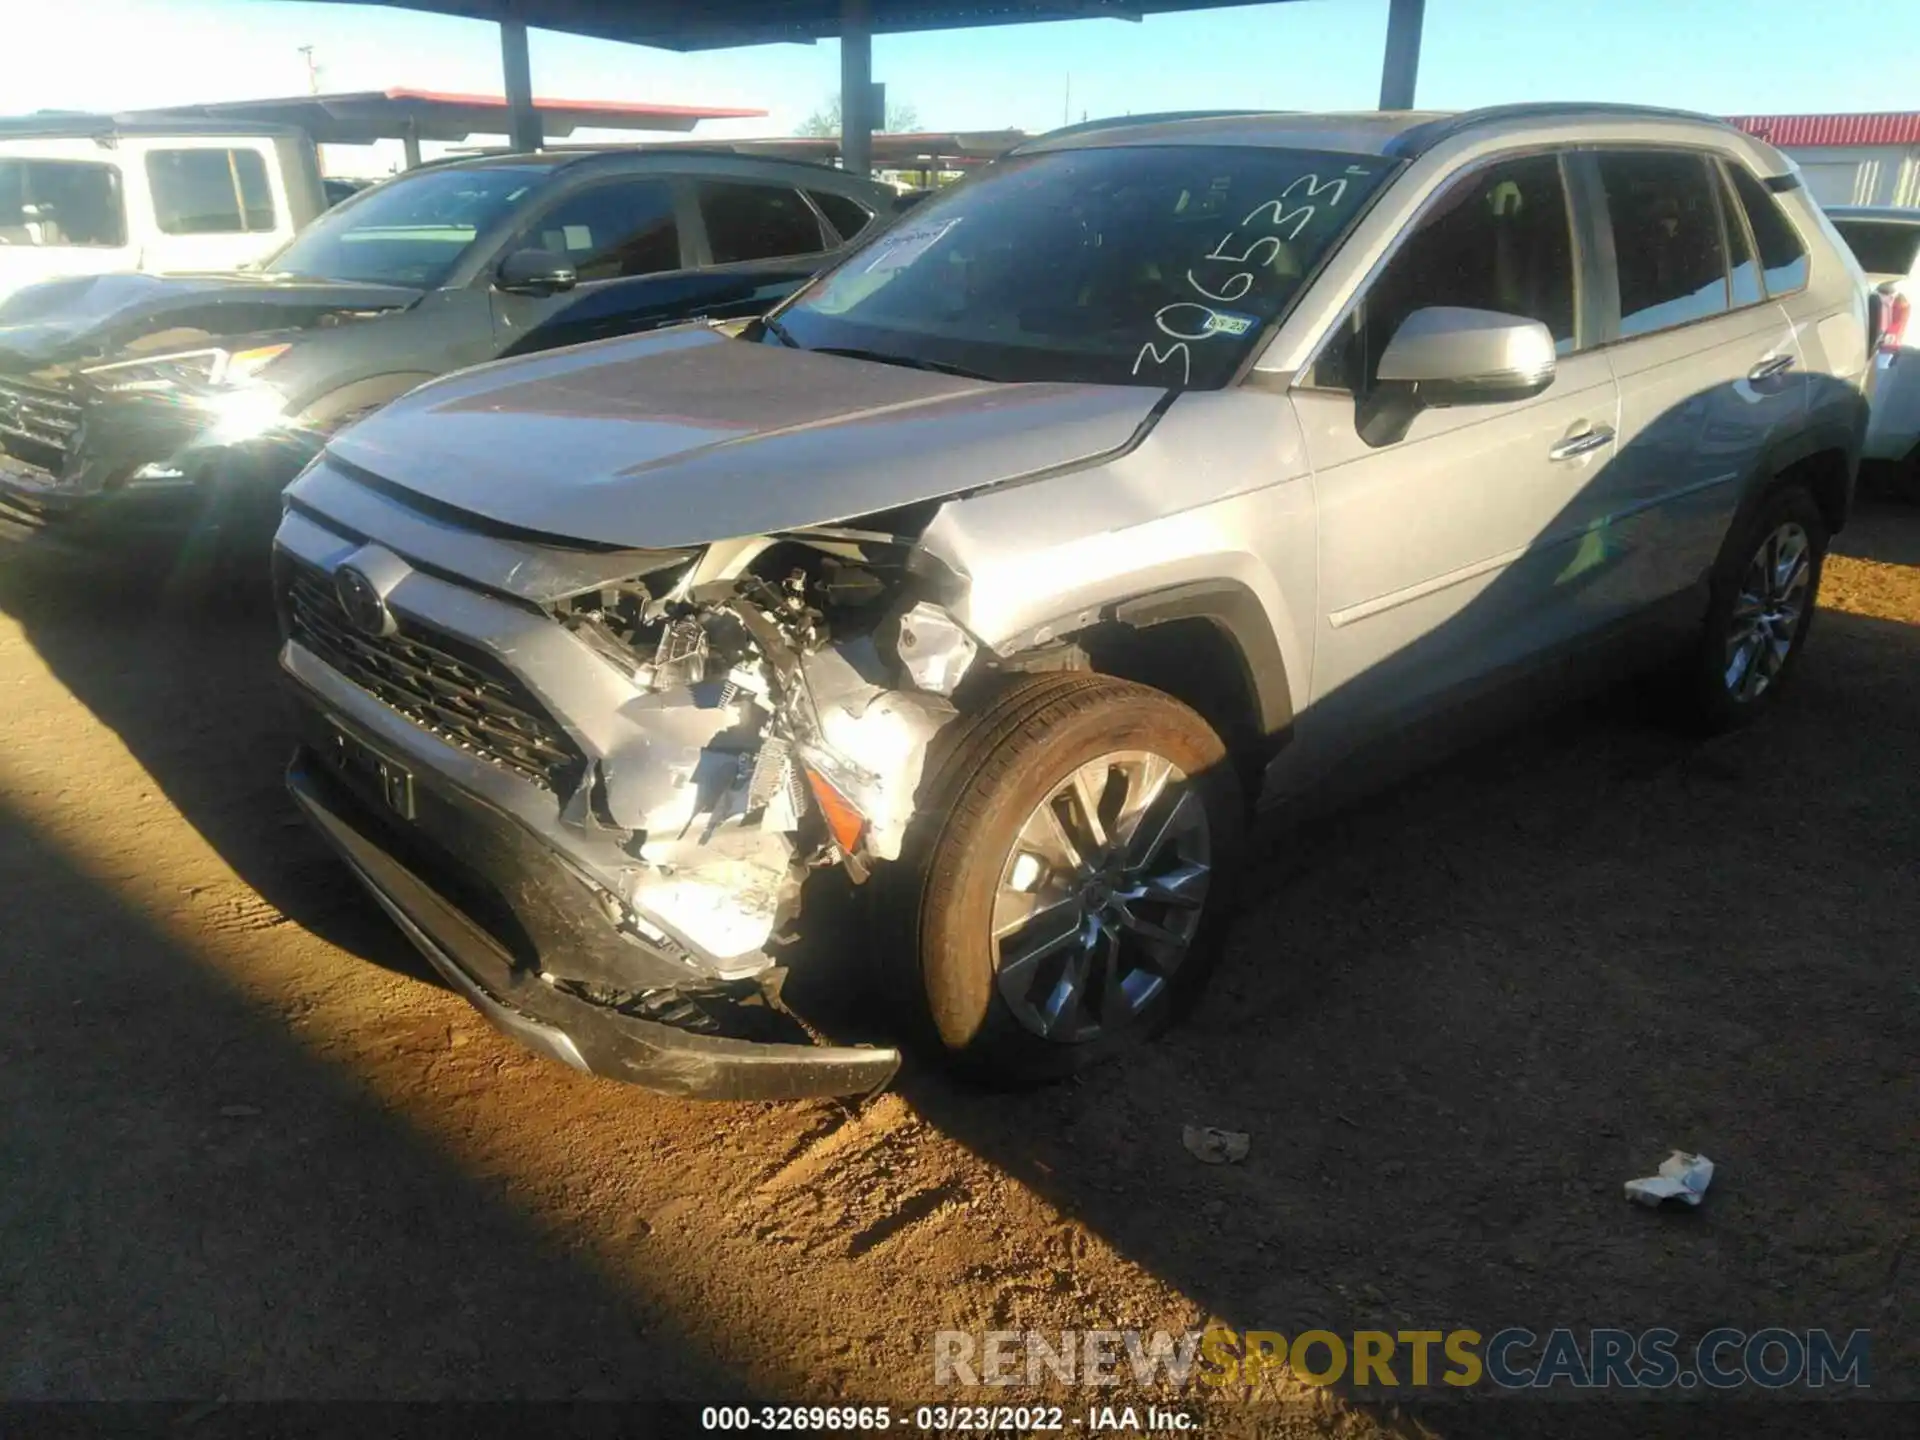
point(1585, 443)
point(1770, 367)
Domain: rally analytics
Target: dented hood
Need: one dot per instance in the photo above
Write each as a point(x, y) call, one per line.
point(97, 317)
point(686, 436)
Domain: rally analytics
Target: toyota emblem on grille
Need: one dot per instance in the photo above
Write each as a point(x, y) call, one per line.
point(365, 608)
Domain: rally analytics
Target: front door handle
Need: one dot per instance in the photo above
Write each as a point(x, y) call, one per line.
point(1585, 443)
point(1770, 367)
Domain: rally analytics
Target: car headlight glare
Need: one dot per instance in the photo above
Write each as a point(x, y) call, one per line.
point(242, 414)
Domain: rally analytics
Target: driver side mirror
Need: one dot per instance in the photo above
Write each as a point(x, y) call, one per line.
point(1450, 355)
point(536, 272)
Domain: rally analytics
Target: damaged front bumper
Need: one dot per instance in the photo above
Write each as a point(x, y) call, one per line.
point(512, 995)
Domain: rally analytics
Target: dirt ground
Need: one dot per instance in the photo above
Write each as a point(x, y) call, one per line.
point(251, 1150)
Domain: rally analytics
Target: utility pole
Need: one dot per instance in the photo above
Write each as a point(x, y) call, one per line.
point(1066, 104)
point(313, 70)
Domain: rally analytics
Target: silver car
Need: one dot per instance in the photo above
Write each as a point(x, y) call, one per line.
point(1161, 473)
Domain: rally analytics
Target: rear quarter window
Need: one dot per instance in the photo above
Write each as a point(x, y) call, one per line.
point(1783, 257)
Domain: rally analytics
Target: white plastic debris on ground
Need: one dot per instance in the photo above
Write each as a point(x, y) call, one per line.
point(1683, 1176)
point(1212, 1146)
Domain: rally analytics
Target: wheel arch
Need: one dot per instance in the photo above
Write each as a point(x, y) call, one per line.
point(1208, 643)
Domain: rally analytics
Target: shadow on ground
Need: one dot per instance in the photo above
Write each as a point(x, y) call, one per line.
point(192, 687)
point(170, 1233)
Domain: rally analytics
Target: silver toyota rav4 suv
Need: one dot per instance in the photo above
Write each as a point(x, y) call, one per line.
point(1151, 477)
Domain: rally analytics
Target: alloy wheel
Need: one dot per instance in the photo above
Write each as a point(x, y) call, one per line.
point(1768, 612)
point(1101, 895)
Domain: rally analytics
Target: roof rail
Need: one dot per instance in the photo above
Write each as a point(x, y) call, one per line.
point(567, 155)
point(1419, 139)
point(1119, 122)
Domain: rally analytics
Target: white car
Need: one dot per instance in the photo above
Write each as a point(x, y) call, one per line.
point(1886, 242)
point(86, 195)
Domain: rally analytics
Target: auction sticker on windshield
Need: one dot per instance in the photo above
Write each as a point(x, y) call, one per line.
point(903, 247)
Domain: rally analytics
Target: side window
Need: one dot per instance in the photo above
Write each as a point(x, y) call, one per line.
point(613, 231)
point(1666, 239)
point(757, 222)
point(1743, 270)
point(1500, 239)
point(1783, 258)
point(209, 192)
point(849, 217)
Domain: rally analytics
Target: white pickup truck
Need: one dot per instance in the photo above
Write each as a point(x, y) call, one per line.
point(88, 195)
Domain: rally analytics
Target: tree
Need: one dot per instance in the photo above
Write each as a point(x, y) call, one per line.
point(826, 120)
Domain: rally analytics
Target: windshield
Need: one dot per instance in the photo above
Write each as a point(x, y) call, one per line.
point(409, 231)
point(60, 202)
point(1151, 265)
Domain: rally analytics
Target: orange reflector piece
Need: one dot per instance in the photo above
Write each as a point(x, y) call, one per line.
point(844, 822)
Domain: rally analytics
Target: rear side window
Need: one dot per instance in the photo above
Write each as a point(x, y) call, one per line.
point(1499, 240)
point(757, 222)
point(849, 217)
point(210, 192)
point(1882, 247)
point(1783, 259)
point(1666, 239)
point(613, 231)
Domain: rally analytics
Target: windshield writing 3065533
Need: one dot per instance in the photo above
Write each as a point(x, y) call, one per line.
point(1260, 245)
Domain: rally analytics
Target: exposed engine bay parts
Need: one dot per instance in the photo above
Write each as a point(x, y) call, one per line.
point(784, 696)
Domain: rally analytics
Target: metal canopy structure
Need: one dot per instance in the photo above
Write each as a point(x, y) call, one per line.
point(364, 116)
point(685, 25)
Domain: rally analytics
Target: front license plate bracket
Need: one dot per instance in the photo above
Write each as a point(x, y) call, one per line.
point(388, 779)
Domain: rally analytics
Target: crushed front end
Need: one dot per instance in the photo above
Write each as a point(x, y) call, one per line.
point(590, 783)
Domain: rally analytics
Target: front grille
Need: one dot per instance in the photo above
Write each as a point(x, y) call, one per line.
point(36, 424)
point(456, 691)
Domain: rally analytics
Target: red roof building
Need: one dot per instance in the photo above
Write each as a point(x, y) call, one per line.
point(1791, 132)
point(1866, 159)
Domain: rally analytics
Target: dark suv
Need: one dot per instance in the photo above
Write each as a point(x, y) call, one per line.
point(169, 407)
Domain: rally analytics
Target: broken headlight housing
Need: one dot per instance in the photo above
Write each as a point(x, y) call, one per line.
point(186, 371)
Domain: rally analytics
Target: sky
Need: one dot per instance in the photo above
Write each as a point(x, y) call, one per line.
point(1720, 56)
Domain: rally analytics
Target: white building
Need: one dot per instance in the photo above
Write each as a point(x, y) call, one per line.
point(1848, 159)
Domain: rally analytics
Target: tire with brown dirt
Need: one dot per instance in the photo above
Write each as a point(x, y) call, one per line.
point(1761, 605)
point(1063, 896)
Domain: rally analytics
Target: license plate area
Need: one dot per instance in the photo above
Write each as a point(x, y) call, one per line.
point(360, 762)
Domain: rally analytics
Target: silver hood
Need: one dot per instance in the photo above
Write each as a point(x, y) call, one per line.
point(685, 436)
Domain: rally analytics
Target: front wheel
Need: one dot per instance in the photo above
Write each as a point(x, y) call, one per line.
point(1762, 603)
point(1064, 896)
